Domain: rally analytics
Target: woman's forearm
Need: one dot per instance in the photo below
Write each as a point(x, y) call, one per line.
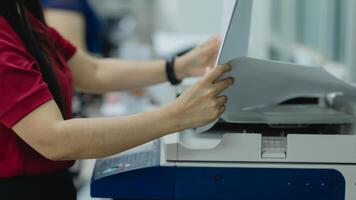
point(106, 75)
point(94, 138)
point(113, 74)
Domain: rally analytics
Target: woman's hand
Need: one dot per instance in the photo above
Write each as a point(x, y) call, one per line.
point(194, 63)
point(201, 104)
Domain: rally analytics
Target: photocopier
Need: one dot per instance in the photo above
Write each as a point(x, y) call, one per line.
point(288, 133)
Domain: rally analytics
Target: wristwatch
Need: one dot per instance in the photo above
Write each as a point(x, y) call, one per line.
point(171, 76)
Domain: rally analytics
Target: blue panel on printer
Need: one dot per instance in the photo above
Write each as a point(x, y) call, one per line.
point(257, 183)
point(150, 183)
point(222, 183)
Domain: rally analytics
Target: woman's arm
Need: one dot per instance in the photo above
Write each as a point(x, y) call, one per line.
point(105, 75)
point(59, 139)
point(45, 130)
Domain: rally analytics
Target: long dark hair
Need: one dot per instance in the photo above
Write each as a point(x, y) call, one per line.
point(16, 14)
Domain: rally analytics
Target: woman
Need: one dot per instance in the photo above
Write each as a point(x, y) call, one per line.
point(39, 68)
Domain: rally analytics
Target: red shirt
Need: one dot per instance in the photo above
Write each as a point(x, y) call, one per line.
point(22, 90)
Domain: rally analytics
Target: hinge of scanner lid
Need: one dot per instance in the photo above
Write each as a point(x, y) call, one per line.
point(274, 147)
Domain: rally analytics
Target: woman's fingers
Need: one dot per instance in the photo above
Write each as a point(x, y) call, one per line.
point(215, 73)
point(222, 109)
point(213, 41)
point(221, 101)
point(222, 85)
point(211, 48)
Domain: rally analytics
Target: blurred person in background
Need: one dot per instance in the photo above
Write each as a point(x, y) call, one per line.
point(39, 69)
point(76, 20)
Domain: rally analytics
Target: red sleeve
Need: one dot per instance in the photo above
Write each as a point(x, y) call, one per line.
point(22, 88)
point(65, 48)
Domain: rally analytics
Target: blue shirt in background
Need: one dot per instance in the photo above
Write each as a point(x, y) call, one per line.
point(92, 21)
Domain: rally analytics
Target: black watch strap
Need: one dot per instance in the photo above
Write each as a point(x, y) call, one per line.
point(172, 78)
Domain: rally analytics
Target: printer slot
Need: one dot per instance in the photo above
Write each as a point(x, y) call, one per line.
point(277, 129)
point(302, 101)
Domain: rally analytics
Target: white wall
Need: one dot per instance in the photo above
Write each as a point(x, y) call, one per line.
point(192, 16)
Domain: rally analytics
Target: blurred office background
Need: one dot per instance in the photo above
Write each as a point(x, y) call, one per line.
point(310, 32)
point(317, 32)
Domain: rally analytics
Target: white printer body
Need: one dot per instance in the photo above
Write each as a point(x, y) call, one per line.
point(279, 115)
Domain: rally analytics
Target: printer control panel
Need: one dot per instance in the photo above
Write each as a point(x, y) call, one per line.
point(145, 156)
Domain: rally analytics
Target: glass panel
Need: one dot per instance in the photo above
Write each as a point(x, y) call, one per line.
point(276, 16)
point(308, 22)
point(319, 25)
point(340, 30)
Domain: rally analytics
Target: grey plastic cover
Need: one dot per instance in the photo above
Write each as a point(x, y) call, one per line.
point(236, 38)
point(262, 85)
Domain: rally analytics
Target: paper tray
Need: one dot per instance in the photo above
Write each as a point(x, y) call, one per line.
point(291, 114)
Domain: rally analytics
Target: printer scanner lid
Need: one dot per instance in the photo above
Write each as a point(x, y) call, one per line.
point(261, 86)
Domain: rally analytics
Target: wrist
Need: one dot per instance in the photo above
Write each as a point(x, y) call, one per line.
point(172, 117)
point(180, 68)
